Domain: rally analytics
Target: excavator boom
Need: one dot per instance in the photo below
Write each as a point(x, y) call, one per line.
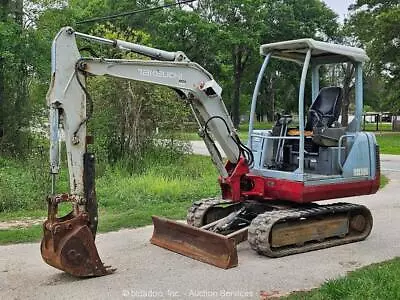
point(68, 242)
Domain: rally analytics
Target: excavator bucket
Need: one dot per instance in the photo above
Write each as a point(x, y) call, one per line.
point(68, 245)
point(197, 243)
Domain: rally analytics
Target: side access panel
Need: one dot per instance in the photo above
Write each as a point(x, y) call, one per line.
point(300, 192)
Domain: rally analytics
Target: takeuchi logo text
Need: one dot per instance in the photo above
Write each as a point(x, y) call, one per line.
point(160, 74)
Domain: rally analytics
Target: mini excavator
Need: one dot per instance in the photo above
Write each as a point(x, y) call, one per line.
point(269, 186)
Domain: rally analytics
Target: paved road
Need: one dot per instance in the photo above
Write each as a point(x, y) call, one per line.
point(148, 272)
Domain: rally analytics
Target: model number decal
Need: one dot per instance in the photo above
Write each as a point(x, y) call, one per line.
point(361, 172)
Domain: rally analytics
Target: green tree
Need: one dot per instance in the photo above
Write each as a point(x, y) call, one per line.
point(228, 34)
point(377, 25)
point(223, 36)
point(127, 113)
point(15, 67)
point(286, 20)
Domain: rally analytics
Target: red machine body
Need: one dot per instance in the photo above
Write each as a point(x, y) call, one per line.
point(242, 185)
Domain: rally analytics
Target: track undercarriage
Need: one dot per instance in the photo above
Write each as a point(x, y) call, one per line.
point(272, 229)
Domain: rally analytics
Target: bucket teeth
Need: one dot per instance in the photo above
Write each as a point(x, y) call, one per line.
point(68, 245)
point(197, 243)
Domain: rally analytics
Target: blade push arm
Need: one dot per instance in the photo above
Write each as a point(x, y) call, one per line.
point(67, 97)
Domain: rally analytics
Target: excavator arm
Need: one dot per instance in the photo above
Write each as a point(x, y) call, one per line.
point(67, 97)
point(68, 242)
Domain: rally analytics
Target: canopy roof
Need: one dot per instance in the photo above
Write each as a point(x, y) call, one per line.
point(321, 52)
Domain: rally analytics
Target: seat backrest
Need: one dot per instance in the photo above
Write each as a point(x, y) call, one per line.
point(326, 108)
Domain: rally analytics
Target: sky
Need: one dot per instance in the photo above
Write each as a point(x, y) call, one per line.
point(339, 6)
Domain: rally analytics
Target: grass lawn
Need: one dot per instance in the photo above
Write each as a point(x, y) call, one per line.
point(125, 201)
point(384, 181)
point(381, 127)
point(389, 143)
point(377, 281)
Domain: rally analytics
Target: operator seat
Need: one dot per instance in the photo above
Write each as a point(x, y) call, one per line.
point(323, 113)
point(326, 108)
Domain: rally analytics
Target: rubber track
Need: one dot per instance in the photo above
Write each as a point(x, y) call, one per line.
point(197, 211)
point(260, 229)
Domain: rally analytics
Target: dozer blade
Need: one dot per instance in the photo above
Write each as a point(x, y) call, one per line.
point(197, 243)
point(68, 245)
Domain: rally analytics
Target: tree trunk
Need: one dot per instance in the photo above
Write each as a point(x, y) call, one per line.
point(19, 12)
point(13, 8)
point(240, 57)
point(16, 8)
point(1, 80)
point(4, 9)
point(347, 87)
point(2, 96)
point(269, 102)
point(236, 99)
point(272, 93)
point(4, 6)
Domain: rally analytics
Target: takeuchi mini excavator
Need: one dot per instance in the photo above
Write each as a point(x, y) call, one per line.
point(269, 186)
